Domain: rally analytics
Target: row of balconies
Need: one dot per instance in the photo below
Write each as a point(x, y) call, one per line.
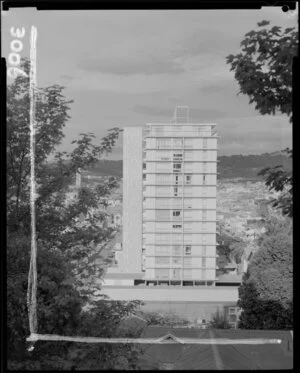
point(180, 133)
point(180, 142)
point(186, 156)
point(180, 261)
point(175, 203)
point(179, 227)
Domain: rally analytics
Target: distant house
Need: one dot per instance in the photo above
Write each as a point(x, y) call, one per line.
point(181, 354)
point(224, 267)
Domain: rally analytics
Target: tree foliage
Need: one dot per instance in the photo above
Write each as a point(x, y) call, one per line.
point(64, 242)
point(280, 180)
point(263, 68)
point(264, 72)
point(219, 320)
point(266, 294)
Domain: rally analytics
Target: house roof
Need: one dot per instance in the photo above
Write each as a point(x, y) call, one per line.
point(185, 356)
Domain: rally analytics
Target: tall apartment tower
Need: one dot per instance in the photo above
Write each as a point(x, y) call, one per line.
point(170, 173)
point(179, 200)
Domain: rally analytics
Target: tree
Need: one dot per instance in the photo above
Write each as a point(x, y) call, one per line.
point(280, 180)
point(219, 321)
point(62, 242)
point(236, 251)
point(266, 294)
point(263, 70)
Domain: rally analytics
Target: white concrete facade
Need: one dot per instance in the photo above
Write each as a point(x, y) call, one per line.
point(169, 294)
point(179, 202)
point(130, 260)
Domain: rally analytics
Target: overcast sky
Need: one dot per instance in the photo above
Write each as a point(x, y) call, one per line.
point(126, 68)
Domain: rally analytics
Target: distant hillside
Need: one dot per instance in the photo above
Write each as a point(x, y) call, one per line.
point(107, 168)
point(234, 166)
point(248, 166)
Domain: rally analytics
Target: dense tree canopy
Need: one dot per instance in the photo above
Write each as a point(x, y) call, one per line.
point(266, 295)
point(264, 71)
point(263, 68)
point(64, 245)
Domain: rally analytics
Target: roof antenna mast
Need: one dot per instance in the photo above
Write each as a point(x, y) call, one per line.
point(181, 114)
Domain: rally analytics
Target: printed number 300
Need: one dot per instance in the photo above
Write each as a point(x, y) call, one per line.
point(14, 58)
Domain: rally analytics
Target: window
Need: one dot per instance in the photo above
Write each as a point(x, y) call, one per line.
point(188, 227)
point(188, 250)
point(162, 203)
point(188, 238)
point(176, 213)
point(162, 237)
point(176, 179)
point(160, 250)
point(187, 204)
point(144, 166)
point(163, 143)
point(204, 143)
point(144, 177)
point(162, 273)
point(187, 273)
point(176, 167)
point(162, 260)
point(187, 262)
point(163, 156)
point(177, 143)
point(177, 238)
point(176, 191)
point(188, 156)
point(177, 156)
point(162, 179)
point(162, 191)
point(176, 261)
point(188, 143)
point(162, 167)
point(204, 179)
point(188, 192)
point(176, 250)
point(188, 179)
point(162, 215)
point(176, 204)
point(177, 226)
point(188, 215)
point(176, 273)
